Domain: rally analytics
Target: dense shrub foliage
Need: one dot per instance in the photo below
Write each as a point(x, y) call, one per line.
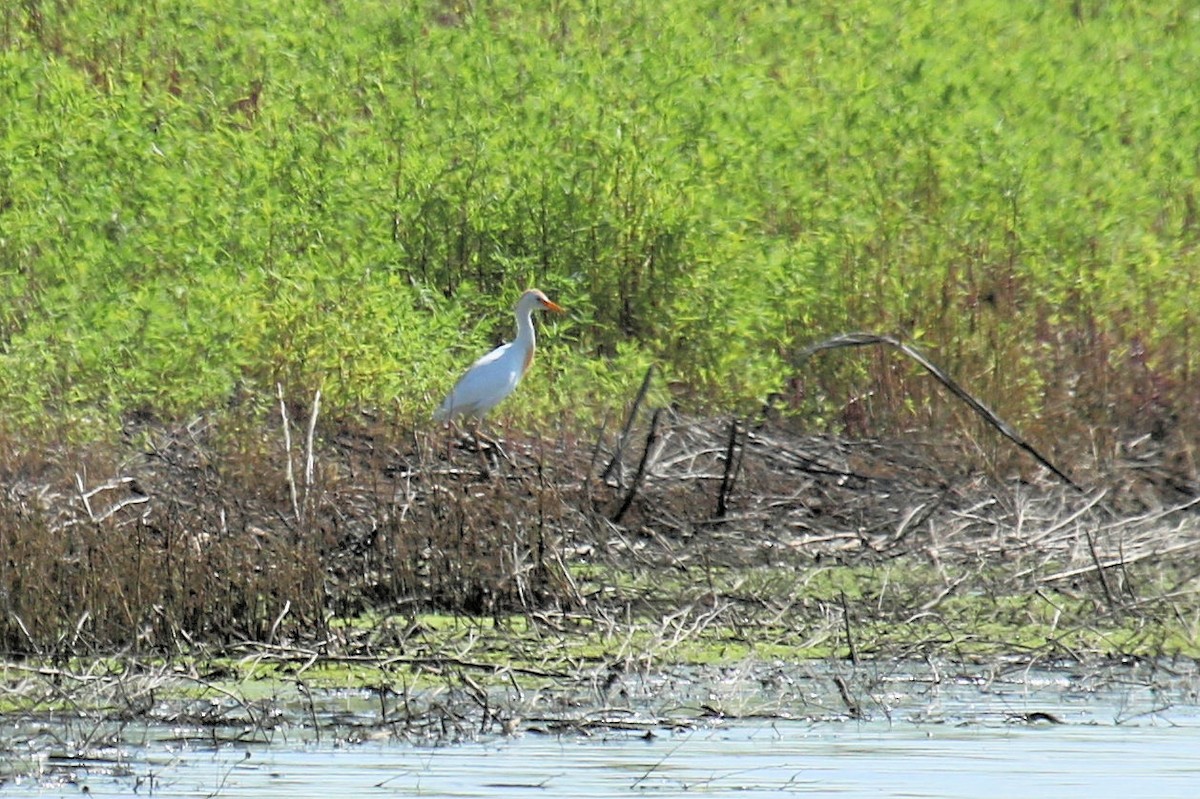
point(200, 199)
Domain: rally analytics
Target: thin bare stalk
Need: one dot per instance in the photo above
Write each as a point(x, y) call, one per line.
point(287, 446)
point(309, 459)
point(651, 437)
point(623, 439)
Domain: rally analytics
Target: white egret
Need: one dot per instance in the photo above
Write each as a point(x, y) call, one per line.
point(494, 376)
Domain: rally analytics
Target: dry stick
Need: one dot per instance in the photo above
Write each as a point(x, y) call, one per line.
point(1091, 542)
point(285, 654)
point(1155, 515)
point(727, 477)
point(309, 465)
point(945, 592)
point(1006, 430)
point(741, 454)
point(587, 477)
point(1126, 578)
point(84, 495)
point(287, 605)
point(1062, 523)
point(849, 634)
point(915, 517)
point(32, 643)
point(651, 437)
point(1126, 560)
point(287, 445)
point(125, 503)
point(624, 437)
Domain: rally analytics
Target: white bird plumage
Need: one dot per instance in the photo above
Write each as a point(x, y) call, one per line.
point(494, 376)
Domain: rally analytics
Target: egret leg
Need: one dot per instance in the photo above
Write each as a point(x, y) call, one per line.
point(493, 444)
point(485, 445)
point(471, 436)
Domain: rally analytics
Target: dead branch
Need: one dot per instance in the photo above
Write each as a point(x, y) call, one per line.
point(623, 439)
point(309, 454)
point(728, 476)
point(651, 437)
point(986, 413)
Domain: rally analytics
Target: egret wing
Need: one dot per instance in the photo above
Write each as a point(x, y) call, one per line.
point(489, 380)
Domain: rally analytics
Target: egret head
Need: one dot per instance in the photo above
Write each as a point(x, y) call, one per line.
point(535, 300)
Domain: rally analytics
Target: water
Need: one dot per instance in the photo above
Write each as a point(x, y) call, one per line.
point(958, 738)
point(742, 759)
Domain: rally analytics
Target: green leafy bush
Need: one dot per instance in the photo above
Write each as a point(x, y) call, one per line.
point(198, 201)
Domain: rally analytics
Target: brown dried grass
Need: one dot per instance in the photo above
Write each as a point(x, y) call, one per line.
point(225, 532)
point(208, 536)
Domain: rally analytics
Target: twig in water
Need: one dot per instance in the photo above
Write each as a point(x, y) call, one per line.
point(849, 634)
point(853, 709)
point(654, 767)
point(225, 777)
point(312, 710)
point(247, 707)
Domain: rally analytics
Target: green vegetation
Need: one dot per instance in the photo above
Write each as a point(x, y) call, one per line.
point(200, 199)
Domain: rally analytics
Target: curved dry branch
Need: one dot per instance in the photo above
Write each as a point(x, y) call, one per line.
point(988, 415)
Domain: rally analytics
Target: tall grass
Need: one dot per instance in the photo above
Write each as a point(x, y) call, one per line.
point(199, 200)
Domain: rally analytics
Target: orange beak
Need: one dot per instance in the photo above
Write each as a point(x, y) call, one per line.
point(552, 306)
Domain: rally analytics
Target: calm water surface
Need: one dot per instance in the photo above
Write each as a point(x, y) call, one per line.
point(967, 740)
point(741, 759)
